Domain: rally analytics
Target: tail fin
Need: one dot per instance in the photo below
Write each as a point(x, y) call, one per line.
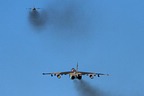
point(77, 67)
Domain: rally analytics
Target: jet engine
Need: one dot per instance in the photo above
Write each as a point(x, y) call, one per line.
point(91, 76)
point(58, 76)
point(79, 76)
point(72, 77)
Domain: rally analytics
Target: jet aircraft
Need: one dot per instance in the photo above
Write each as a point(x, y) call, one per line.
point(34, 9)
point(34, 13)
point(75, 74)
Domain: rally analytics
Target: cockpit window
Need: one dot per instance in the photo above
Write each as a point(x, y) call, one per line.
point(73, 70)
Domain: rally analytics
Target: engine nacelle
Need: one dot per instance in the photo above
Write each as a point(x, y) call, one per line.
point(72, 77)
point(91, 76)
point(51, 75)
point(79, 76)
point(58, 76)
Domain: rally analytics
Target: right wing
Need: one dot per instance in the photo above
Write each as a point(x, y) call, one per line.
point(57, 73)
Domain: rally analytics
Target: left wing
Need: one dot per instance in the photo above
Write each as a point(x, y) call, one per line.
point(92, 73)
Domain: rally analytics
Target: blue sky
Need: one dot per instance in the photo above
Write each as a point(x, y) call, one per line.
point(102, 35)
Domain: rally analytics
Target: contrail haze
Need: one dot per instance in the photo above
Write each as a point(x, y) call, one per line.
point(85, 89)
point(69, 19)
point(38, 18)
point(66, 19)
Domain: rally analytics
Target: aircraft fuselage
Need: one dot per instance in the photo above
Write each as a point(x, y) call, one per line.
point(75, 74)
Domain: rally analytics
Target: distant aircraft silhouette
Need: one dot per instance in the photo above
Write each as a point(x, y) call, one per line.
point(75, 74)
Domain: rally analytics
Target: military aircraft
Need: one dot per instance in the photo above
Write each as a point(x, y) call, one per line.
point(34, 9)
point(75, 74)
point(34, 13)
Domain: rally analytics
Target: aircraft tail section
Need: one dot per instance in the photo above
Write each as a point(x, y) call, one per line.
point(77, 67)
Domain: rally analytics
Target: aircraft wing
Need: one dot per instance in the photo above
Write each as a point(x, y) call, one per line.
point(57, 73)
point(92, 73)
